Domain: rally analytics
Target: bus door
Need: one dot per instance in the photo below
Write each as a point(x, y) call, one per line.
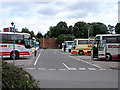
point(102, 49)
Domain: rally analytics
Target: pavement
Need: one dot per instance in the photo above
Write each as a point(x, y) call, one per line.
point(57, 69)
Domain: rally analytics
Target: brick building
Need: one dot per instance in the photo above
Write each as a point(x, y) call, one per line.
point(10, 29)
point(49, 43)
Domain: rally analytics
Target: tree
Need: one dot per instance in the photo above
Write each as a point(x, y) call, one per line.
point(39, 35)
point(98, 28)
point(110, 28)
point(117, 28)
point(80, 30)
point(60, 28)
point(25, 30)
point(61, 38)
point(32, 34)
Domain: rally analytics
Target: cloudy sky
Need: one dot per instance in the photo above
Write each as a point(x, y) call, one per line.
point(39, 15)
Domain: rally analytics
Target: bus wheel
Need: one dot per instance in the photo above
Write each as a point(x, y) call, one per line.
point(81, 53)
point(108, 57)
point(16, 55)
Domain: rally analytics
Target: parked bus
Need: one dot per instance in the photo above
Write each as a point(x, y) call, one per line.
point(106, 46)
point(66, 46)
point(81, 46)
point(22, 45)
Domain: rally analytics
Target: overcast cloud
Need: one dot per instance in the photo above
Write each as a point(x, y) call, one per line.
point(39, 16)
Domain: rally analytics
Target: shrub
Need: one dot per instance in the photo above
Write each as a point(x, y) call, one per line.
point(16, 78)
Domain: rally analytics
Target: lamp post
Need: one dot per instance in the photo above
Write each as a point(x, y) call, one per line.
point(43, 41)
point(88, 31)
point(13, 55)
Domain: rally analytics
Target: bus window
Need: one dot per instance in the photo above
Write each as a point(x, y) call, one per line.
point(82, 41)
point(110, 39)
point(74, 45)
point(119, 39)
point(4, 37)
point(90, 42)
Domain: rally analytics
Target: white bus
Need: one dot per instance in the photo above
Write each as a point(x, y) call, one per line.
point(22, 45)
point(106, 46)
point(66, 46)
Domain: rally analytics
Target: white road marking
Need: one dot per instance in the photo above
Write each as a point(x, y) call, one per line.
point(66, 66)
point(87, 62)
point(62, 69)
point(51, 69)
point(41, 68)
point(38, 57)
point(81, 68)
point(91, 68)
point(102, 69)
point(72, 69)
point(30, 68)
point(55, 52)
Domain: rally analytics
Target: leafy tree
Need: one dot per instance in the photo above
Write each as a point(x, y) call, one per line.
point(98, 28)
point(69, 37)
point(110, 28)
point(32, 34)
point(39, 35)
point(60, 28)
point(70, 29)
point(117, 28)
point(61, 38)
point(25, 30)
point(80, 30)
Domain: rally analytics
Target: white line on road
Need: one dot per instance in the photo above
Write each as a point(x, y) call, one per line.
point(30, 68)
point(41, 68)
point(81, 68)
point(38, 57)
point(91, 68)
point(52, 69)
point(62, 69)
point(72, 69)
point(66, 66)
point(87, 62)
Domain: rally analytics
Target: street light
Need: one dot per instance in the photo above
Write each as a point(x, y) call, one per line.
point(43, 41)
point(13, 44)
point(88, 31)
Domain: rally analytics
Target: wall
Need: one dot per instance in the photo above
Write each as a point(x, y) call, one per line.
point(49, 43)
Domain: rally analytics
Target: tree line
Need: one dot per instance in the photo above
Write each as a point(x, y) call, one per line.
point(63, 32)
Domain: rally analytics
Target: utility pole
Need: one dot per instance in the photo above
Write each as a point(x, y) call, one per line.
point(13, 44)
point(43, 41)
point(88, 31)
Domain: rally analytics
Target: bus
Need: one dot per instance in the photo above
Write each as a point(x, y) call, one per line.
point(22, 45)
point(106, 46)
point(66, 46)
point(81, 46)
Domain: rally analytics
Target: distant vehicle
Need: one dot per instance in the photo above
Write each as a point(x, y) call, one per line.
point(22, 45)
point(66, 46)
point(106, 46)
point(81, 46)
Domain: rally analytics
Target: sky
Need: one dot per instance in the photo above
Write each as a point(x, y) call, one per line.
point(40, 15)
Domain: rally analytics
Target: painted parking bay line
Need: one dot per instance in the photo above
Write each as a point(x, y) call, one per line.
point(87, 62)
point(38, 57)
point(81, 68)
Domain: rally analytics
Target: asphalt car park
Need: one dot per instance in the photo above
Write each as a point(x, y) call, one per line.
point(26, 61)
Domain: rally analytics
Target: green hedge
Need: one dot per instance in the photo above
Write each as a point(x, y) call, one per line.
point(16, 78)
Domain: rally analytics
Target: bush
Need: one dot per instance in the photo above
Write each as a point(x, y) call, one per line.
point(16, 78)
